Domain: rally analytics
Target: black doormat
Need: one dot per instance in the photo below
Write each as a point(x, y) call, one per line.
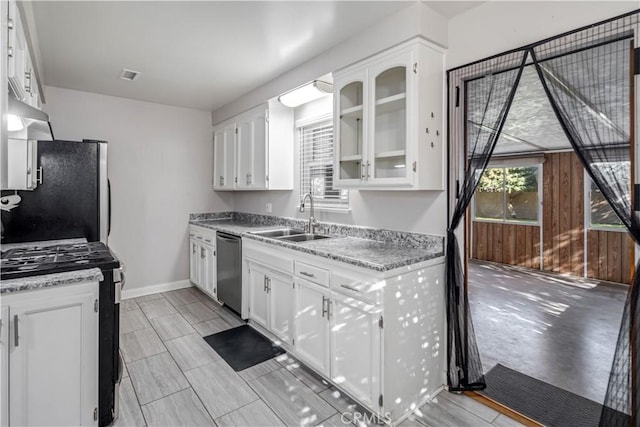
point(542, 402)
point(243, 347)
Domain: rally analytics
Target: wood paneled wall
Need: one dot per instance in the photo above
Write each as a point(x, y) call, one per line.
point(608, 253)
point(507, 243)
point(563, 214)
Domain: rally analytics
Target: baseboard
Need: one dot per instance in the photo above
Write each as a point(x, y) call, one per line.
point(154, 289)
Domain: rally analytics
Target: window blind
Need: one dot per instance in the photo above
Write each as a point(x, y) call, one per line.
point(316, 167)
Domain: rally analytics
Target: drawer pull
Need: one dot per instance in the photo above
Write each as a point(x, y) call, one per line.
point(304, 273)
point(352, 289)
point(325, 308)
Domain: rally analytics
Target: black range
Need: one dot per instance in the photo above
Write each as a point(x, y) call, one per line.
point(29, 261)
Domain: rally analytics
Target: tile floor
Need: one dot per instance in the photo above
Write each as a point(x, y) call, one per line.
point(173, 378)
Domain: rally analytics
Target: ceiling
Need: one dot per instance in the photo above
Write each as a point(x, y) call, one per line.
point(201, 54)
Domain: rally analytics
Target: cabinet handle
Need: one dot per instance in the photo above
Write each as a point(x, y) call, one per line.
point(368, 164)
point(362, 173)
point(304, 273)
point(352, 289)
point(264, 284)
point(15, 330)
point(324, 309)
point(202, 253)
point(39, 175)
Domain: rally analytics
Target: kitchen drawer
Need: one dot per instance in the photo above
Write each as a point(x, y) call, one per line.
point(363, 288)
point(205, 235)
point(311, 273)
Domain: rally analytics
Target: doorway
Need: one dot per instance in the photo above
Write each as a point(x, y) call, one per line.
point(546, 260)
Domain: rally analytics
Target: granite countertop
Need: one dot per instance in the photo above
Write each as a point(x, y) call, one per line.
point(50, 280)
point(371, 254)
point(237, 228)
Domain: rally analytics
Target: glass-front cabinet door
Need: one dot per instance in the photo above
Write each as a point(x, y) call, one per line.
point(390, 84)
point(351, 107)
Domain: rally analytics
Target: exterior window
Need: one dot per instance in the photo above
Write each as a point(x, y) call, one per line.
point(600, 215)
point(316, 167)
point(508, 194)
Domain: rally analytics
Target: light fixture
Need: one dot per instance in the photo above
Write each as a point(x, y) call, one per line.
point(305, 93)
point(14, 123)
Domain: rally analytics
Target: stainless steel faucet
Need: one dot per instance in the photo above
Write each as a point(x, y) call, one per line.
point(312, 221)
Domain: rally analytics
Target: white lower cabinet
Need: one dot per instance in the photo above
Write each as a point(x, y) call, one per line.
point(4, 366)
point(52, 355)
point(202, 260)
point(271, 300)
point(355, 347)
point(258, 296)
point(378, 336)
point(281, 302)
point(312, 325)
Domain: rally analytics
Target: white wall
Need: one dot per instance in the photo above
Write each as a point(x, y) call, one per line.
point(497, 26)
point(160, 167)
point(417, 211)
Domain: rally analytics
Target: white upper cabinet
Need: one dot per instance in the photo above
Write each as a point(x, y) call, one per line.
point(224, 156)
point(20, 70)
point(254, 150)
point(389, 118)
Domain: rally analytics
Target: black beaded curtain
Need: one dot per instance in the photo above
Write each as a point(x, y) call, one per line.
point(588, 79)
point(488, 101)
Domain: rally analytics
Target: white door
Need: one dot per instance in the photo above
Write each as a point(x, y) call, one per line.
point(193, 261)
point(54, 359)
point(350, 133)
point(252, 150)
point(4, 366)
point(355, 347)
point(312, 324)
point(391, 82)
point(258, 296)
point(224, 157)
point(245, 152)
point(281, 303)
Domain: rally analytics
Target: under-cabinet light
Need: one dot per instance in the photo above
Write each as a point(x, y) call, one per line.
point(14, 123)
point(305, 93)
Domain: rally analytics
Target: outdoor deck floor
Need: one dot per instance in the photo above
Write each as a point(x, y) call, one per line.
point(560, 330)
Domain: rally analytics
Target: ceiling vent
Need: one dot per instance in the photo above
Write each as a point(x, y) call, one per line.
point(130, 75)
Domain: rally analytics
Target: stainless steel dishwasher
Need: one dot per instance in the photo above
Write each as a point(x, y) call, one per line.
point(229, 269)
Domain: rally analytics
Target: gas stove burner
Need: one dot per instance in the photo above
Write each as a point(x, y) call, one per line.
point(45, 259)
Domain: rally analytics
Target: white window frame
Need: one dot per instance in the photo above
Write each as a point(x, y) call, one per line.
point(538, 221)
point(319, 205)
point(587, 210)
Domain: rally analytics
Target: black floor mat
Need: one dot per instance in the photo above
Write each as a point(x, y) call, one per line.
point(542, 402)
point(243, 347)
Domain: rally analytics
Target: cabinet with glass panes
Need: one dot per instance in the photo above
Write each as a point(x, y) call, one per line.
point(389, 115)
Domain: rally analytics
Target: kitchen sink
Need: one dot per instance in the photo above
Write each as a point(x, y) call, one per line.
point(303, 237)
point(279, 233)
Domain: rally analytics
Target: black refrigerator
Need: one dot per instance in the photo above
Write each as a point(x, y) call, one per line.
point(73, 200)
